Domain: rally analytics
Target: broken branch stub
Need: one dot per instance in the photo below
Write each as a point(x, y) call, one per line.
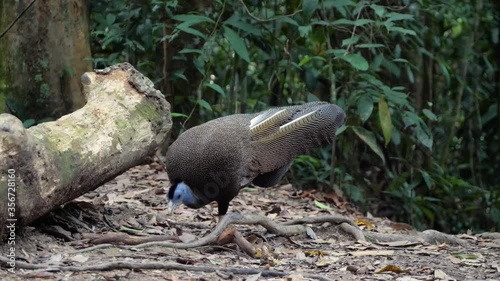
point(124, 121)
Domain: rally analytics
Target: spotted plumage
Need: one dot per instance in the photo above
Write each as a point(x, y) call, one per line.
point(212, 161)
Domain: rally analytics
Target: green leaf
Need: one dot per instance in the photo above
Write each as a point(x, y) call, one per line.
point(175, 114)
point(289, 20)
point(410, 75)
point(391, 66)
point(410, 119)
point(444, 69)
point(46, 119)
point(110, 19)
point(402, 30)
point(369, 138)
point(307, 59)
point(237, 22)
point(185, 26)
point(427, 178)
point(429, 114)
point(379, 10)
point(203, 103)
point(343, 21)
point(28, 123)
point(396, 136)
point(305, 30)
point(192, 19)
point(130, 230)
point(356, 60)
point(364, 107)
point(319, 204)
point(237, 43)
point(385, 119)
point(350, 40)
point(179, 74)
point(341, 130)
point(423, 137)
point(216, 88)
point(308, 8)
point(190, 51)
point(490, 114)
point(395, 96)
point(311, 98)
point(361, 22)
point(370, 45)
point(397, 16)
point(337, 3)
point(400, 60)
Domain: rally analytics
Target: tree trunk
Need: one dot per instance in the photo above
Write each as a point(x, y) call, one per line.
point(42, 56)
point(124, 121)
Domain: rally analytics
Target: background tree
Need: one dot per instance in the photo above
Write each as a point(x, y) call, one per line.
point(42, 57)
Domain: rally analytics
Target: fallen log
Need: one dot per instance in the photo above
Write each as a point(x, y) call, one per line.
point(124, 121)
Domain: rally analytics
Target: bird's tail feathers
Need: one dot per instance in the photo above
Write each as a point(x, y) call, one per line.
point(308, 126)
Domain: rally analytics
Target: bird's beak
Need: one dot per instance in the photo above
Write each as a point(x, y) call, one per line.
point(171, 207)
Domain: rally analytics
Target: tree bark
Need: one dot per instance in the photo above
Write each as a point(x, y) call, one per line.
point(124, 121)
point(42, 56)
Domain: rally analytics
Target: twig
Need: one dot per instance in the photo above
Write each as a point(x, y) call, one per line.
point(354, 30)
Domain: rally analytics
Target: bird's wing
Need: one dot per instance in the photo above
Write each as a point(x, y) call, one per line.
point(288, 132)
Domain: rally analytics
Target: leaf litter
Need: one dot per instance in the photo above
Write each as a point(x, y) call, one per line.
point(133, 205)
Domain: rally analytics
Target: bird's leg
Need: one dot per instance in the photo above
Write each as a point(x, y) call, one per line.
point(219, 219)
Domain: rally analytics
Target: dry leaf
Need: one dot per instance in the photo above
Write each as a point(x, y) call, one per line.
point(391, 268)
point(373, 253)
point(187, 237)
point(300, 256)
point(226, 236)
point(324, 261)
point(79, 258)
point(253, 277)
point(316, 253)
point(363, 222)
point(439, 274)
point(399, 243)
point(311, 233)
point(55, 259)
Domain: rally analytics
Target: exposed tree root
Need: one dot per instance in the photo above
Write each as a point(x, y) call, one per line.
point(189, 224)
point(157, 265)
point(290, 228)
point(223, 234)
point(427, 236)
point(125, 239)
point(490, 235)
point(337, 219)
point(434, 237)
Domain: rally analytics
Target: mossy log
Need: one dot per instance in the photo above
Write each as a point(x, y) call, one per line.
point(123, 122)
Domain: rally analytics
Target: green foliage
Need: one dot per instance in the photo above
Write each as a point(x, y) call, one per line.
point(416, 79)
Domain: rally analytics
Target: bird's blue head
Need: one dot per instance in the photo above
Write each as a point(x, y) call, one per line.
point(179, 193)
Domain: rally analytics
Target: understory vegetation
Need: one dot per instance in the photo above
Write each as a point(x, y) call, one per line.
point(419, 81)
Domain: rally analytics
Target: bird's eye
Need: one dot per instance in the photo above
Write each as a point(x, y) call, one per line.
point(177, 197)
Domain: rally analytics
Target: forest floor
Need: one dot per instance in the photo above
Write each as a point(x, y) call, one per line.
point(132, 207)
